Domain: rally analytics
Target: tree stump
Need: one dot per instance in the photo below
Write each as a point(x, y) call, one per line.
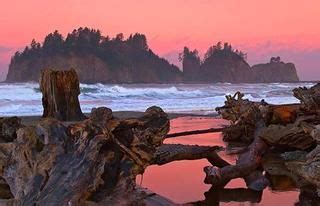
point(60, 90)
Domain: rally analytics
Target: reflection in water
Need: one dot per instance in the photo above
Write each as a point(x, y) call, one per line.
point(215, 196)
point(182, 181)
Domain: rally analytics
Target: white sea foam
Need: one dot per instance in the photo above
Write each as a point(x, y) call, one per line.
point(25, 98)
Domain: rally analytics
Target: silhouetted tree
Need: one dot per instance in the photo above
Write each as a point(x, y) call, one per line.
point(219, 45)
point(217, 51)
point(119, 37)
point(275, 59)
point(188, 54)
point(138, 41)
point(34, 45)
point(53, 42)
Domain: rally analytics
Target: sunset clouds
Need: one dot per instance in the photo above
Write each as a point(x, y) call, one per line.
point(259, 27)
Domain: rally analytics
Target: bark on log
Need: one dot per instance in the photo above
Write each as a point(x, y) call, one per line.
point(291, 136)
point(267, 125)
point(173, 152)
point(94, 161)
point(308, 168)
point(60, 90)
point(8, 128)
point(243, 115)
point(309, 97)
point(247, 164)
point(247, 119)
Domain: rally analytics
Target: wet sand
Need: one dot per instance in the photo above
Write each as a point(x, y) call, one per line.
point(182, 181)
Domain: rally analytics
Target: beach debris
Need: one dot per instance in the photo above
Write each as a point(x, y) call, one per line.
point(309, 97)
point(195, 132)
point(95, 160)
point(247, 166)
point(173, 152)
point(291, 136)
point(60, 91)
point(90, 162)
point(265, 127)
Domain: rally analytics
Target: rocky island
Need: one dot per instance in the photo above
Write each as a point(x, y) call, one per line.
point(97, 58)
point(225, 64)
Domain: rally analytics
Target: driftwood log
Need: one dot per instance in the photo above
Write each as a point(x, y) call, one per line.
point(60, 91)
point(173, 152)
point(309, 97)
point(94, 161)
point(91, 162)
point(248, 118)
point(195, 132)
point(247, 167)
point(264, 127)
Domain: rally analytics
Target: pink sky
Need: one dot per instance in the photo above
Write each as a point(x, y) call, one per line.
point(290, 28)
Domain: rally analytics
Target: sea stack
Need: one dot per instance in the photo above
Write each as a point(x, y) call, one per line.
point(60, 91)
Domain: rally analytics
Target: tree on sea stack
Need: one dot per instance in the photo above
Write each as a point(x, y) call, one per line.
point(60, 91)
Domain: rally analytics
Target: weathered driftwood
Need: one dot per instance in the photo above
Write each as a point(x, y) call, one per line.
point(309, 97)
point(95, 160)
point(173, 152)
point(8, 128)
point(291, 136)
point(243, 115)
point(92, 162)
point(194, 132)
point(60, 90)
point(248, 118)
point(308, 168)
point(247, 165)
point(282, 126)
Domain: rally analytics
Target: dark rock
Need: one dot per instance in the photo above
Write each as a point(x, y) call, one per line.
point(274, 72)
point(226, 69)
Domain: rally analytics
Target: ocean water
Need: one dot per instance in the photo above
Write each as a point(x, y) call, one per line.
point(25, 98)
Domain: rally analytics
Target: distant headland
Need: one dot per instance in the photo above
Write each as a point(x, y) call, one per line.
point(97, 58)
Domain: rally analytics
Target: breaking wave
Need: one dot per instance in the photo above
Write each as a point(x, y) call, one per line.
point(25, 98)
